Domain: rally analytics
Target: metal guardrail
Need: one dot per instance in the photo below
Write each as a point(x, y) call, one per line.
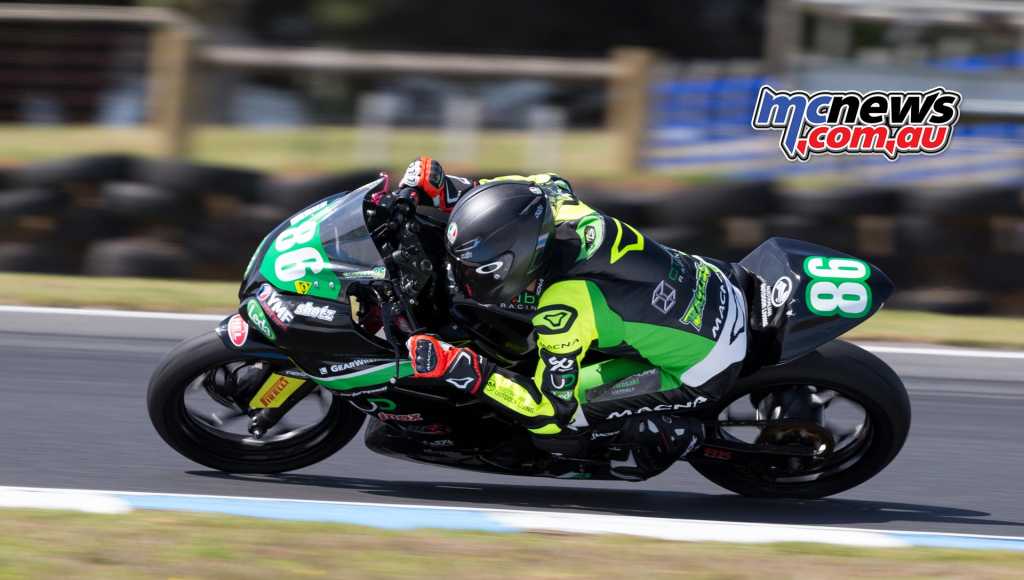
point(338, 60)
point(178, 54)
point(80, 13)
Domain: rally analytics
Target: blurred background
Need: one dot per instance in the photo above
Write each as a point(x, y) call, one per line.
point(167, 137)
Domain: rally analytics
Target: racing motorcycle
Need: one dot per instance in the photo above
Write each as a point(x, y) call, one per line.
point(331, 295)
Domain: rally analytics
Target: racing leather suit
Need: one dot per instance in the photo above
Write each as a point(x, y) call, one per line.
point(674, 323)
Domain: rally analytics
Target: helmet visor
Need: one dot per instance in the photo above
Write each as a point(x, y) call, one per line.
point(487, 281)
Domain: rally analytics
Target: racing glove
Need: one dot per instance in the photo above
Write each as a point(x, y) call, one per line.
point(460, 367)
point(427, 176)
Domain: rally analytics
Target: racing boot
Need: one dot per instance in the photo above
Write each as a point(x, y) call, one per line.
point(648, 445)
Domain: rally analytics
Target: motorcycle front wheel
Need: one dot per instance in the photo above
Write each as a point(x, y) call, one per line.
point(811, 428)
point(189, 413)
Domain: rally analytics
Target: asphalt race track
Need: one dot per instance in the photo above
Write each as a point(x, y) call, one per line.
point(73, 411)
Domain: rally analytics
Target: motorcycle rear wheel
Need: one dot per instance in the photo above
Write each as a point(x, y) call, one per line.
point(849, 372)
point(166, 400)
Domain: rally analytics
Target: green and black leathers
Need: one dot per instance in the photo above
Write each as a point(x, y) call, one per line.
point(672, 322)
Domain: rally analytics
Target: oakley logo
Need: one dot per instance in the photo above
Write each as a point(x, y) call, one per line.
point(490, 268)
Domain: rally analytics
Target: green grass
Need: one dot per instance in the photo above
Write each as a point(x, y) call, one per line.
point(49, 544)
point(221, 297)
point(314, 149)
point(978, 331)
point(120, 293)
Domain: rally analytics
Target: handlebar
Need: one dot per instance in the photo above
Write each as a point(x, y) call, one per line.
point(400, 244)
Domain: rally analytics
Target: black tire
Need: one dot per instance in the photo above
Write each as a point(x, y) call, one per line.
point(196, 179)
point(981, 200)
point(19, 202)
point(165, 401)
point(831, 233)
point(296, 194)
point(842, 202)
point(82, 225)
point(84, 169)
point(39, 257)
point(701, 203)
point(138, 201)
point(854, 373)
point(223, 246)
point(930, 236)
point(137, 257)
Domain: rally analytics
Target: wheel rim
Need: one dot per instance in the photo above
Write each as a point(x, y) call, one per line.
point(835, 426)
point(223, 426)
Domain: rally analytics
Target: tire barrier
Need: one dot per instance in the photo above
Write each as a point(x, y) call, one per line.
point(948, 249)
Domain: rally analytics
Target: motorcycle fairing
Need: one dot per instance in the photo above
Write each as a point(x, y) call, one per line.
point(794, 328)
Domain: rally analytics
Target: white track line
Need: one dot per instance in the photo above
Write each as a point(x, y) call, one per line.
point(110, 313)
point(883, 349)
point(957, 352)
point(522, 512)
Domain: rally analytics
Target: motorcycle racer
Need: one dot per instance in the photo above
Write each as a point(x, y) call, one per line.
point(674, 324)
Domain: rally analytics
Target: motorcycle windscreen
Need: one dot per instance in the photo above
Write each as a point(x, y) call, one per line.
point(318, 249)
point(301, 295)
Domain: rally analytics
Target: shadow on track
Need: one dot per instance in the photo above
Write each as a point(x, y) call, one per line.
point(682, 505)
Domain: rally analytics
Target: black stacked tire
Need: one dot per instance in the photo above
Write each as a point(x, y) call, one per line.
point(165, 401)
point(855, 374)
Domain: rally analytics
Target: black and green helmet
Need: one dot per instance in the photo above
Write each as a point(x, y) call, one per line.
point(497, 239)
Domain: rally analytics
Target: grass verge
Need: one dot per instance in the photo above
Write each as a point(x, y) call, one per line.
point(221, 297)
point(316, 149)
point(52, 544)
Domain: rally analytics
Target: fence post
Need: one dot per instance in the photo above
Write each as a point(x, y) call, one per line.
point(783, 35)
point(170, 69)
point(628, 103)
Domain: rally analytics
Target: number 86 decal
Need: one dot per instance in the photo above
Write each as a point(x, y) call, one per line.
point(838, 286)
point(292, 264)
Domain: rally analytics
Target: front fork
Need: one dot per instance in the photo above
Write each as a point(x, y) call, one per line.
point(276, 396)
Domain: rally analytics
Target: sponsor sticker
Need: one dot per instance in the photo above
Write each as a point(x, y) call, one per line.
point(453, 232)
point(238, 331)
point(694, 314)
point(490, 268)
point(352, 365)
point(657, 408)
point(664, 297)
point(377, 273)
point(560, 372)
point(766, 305)
point(311, 310)
point(275, 305)
point(723, 299)
point(259, 320)
point(275, 391)
point(302, 287)
point(591, 233)
point(781, 290)
point(410, 418)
